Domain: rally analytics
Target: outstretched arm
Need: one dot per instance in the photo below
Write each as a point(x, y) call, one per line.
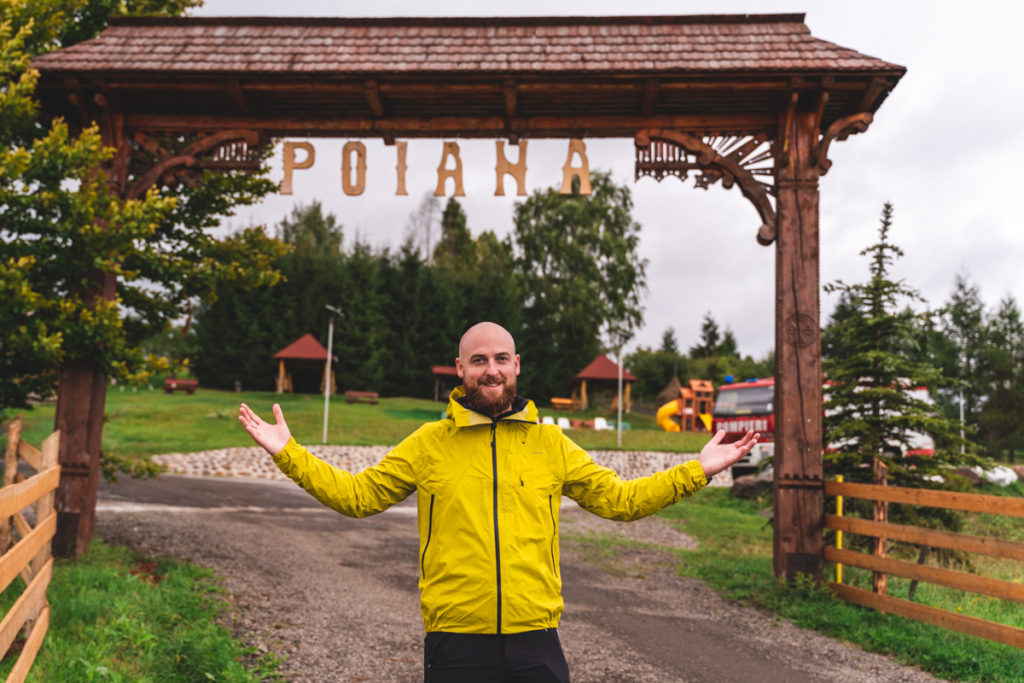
point(715, 457)
point(273, 437)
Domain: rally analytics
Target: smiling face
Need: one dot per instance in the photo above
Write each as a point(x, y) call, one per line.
point(488, 365)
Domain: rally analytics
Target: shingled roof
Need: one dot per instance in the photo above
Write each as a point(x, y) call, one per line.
point(305, 347)
point(604, 367)
point(649, 44)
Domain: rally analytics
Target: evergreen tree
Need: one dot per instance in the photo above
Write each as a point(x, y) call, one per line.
point(1001, 427)
point(710, 338)
point(961, 353)
point(668, 341)
point(870, 411)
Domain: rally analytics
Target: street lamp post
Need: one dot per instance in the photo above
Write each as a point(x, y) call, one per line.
point(327, 370)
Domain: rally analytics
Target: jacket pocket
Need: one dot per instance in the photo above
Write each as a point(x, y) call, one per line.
point(426, 545)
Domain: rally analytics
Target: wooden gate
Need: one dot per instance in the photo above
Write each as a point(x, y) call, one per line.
point(26, 549)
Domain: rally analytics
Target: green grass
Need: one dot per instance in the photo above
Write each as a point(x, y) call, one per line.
point(144, 423)
point(117, 617)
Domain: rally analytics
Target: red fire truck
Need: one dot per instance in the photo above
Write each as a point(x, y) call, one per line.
point(744, 406)
point(749, 405)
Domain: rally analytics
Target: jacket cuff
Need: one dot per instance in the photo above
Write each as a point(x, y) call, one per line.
point(283, 455)
point(696, 472)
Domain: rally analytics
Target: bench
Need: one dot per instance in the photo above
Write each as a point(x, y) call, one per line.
point(563, 404)
point(172, 384)
point(361, 397)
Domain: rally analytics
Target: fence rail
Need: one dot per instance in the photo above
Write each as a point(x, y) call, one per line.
point(26, 549)
point(883, 566)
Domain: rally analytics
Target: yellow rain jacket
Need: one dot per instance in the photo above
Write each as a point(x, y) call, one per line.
point(488, 493)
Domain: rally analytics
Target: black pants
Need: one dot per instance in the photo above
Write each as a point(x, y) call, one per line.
point(530, 657)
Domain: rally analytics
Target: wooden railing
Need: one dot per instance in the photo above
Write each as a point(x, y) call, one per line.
point(883, 566)
point(29, 556)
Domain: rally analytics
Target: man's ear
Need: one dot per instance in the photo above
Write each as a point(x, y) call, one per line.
point(458, 366)
point(517, 365)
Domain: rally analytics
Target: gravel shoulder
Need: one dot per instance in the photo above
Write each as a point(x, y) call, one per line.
point(337, 597)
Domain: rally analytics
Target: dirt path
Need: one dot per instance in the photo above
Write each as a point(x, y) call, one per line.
point(338, 597)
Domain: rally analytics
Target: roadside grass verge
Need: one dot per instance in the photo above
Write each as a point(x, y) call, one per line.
point(144, 423)
point(116, 617)
point(735, 558)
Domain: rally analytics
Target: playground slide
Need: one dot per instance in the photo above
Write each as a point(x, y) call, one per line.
point(664, 416)
point(670, 409)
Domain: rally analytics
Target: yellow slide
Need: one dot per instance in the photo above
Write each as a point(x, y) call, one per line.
point(706, 420)
point(664, 416)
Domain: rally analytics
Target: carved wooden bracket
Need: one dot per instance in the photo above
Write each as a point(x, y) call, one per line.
point(747, 161)
point(171, 159)
point(839, 130)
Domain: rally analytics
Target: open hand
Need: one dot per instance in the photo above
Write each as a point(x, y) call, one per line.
point(273, 437)
point(715, 457)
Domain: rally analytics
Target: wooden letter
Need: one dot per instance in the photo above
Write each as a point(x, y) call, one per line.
point(503, 166)
point(290, 164)
point(576, 146)
point(450, 149)
point(347, 186)
point(400, 167)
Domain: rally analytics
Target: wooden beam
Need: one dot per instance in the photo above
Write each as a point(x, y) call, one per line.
point(985, 585)
point(18, 557)
point(372, 92)
point(984, 545)
point(650, 95)
point(971, 626)
point(591, 126)
point(950, 500)
point(240, 98)
point(19, 496)
point(509, 90)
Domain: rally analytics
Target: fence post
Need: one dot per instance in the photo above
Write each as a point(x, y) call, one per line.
point(879, 580)
point(839, 532)
point(10, 471)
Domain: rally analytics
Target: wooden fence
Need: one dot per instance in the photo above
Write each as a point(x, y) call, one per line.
point(30, 555)
point(883, 566)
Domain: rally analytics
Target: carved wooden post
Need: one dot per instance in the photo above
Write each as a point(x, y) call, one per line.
point(799, 493)
point(82, 392)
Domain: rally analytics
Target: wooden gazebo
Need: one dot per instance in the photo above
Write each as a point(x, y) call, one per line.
point(300, 364)
point(602, 373)
point(751, 101)
point(446, 378)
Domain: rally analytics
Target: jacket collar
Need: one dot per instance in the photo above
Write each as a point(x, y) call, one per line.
point(523, 410)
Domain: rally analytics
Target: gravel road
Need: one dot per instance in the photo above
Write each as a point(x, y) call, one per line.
point(337, 597)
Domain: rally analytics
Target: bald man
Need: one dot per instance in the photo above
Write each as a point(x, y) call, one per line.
point(489, 482)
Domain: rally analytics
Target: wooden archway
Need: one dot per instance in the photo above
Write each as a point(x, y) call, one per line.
point(747, 100)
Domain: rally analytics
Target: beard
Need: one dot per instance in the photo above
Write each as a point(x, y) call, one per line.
point(490, 405)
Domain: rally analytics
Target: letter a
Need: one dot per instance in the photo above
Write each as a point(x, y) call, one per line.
point(450, 149)
point(503, 166)
point(289, 163)
point(347, 186)
point(576, 146)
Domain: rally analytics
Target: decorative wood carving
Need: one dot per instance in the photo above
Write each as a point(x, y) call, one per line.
point(839, 130)
point(172, 158)
point(747, 161)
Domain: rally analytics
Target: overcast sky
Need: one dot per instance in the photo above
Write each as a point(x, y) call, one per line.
point(945, 148)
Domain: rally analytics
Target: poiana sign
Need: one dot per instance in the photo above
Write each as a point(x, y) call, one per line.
point(353, 167)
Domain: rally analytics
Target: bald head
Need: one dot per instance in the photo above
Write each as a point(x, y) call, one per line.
point(487, 333)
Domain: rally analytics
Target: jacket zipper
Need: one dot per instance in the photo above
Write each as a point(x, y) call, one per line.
point(430, 529)
point(497, 546)
point(551, 511)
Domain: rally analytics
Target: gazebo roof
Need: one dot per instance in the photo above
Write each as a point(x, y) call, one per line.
point(446, 371)
point(604, 367)
point(305, 347)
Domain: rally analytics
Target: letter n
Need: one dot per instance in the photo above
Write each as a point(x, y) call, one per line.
point(502, 166)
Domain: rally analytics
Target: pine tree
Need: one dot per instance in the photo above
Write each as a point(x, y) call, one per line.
point(870, 410)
